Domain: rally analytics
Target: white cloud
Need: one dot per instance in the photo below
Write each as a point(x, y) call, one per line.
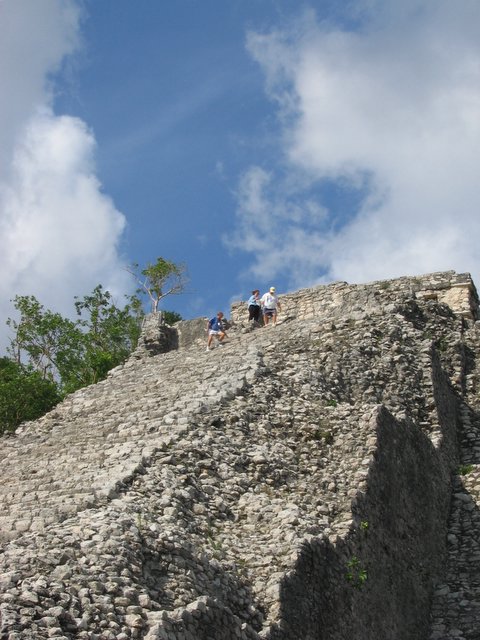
point(391, 108)
point(59, 233)
point(277, 230)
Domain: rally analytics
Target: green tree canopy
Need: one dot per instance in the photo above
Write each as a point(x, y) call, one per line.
point(47, 341)
point(161, 279)
point(75, 354)
point(51, 356)
point(24, 394)
point(110, 334)
point(171, 317)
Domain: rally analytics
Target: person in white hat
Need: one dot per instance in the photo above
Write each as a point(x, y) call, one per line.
point(270, 305)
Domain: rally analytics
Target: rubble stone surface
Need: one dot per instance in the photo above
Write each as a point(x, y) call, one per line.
point(318, 479)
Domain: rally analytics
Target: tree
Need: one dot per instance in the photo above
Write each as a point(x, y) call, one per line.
point(52, 355)
point(159, 280)
point(24, 394)
point(171, 317)
point(110, 333)
point(75, 354)
point(48, 341)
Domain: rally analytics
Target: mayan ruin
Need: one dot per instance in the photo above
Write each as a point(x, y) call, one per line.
point(316, 480)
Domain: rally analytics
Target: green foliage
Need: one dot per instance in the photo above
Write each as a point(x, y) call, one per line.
point(109, 335)
point(159, 280)
point(51, 356)
point(171, 317)
point(356, 574)
point(465, 469)
point(46, 339)
point(325, 435)
point(24, 394)
point(75, 354)
point(331, 403)
point(442, 344)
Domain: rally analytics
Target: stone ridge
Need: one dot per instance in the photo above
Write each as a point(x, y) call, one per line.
point(293, 484)
point(455, 290)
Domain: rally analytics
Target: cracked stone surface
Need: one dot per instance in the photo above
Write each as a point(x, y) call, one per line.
point(317, 479)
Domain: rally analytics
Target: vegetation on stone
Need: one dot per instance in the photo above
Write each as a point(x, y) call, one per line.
point(191, 494)
point(51, 356)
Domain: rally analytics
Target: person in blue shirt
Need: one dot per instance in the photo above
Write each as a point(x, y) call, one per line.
point(216, 329)
point(254, 306)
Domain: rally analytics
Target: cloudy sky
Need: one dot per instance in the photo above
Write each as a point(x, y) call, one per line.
point(261, 143)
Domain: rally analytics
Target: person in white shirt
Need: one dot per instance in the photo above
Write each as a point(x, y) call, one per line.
point(270, 305)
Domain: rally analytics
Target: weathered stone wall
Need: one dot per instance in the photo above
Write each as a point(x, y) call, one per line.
point(406, 497)
point(191, 332)
point(156, 337)
point(341, 298)
point(294, 484)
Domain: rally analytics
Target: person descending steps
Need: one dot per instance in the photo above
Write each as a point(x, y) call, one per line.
point(216, 329)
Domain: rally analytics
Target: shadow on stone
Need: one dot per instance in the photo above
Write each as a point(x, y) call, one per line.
point(378, 580)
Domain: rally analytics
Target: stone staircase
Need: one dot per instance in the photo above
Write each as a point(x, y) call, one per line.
point(292, 485)
point(79, 454)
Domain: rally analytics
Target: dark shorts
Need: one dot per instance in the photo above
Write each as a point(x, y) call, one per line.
point(269, 312)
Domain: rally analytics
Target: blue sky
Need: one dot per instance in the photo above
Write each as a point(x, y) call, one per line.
point(261, 142)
